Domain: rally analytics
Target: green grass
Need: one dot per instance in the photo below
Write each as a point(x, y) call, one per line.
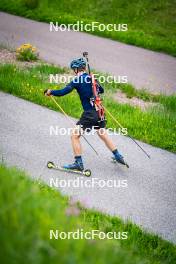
point(151, 24)
point(169, 102)
point(156, 126)
point(29, 209)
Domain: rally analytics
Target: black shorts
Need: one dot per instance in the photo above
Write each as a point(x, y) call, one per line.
point(90, 119)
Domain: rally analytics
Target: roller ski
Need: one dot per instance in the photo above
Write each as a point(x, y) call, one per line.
point(119, 159)
point(76, 167)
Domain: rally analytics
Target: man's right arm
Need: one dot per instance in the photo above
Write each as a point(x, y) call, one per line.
point(68, 89)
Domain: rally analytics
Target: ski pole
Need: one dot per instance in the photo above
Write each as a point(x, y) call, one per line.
point(71, 121)
point(117, 122)
point(85, 54)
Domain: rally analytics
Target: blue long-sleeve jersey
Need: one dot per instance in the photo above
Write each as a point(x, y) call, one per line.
point(83, 86)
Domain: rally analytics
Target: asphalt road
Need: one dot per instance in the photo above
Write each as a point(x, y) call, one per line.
point(149, 199)
point(145, 69)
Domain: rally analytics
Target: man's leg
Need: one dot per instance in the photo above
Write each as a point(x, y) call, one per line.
point(75, 139)
point(102, 133)
point(109, 143)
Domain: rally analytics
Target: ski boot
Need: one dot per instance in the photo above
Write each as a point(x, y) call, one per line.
point(119, 158)
point(76, 166)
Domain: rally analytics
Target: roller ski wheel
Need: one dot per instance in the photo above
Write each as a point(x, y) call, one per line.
point(124, 164)
point(87, 173)
point(51, 165)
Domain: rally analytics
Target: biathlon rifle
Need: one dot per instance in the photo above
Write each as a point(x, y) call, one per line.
point(94, 90)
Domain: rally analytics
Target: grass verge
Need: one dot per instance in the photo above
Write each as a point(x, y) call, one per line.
point(150, 24)
point(30, 209)
point(156, 126)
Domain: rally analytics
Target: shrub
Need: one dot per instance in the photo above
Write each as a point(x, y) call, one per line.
point(31, 4)
point(27, 52)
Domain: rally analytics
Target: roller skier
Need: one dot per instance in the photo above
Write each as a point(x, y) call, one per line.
point(93, 115)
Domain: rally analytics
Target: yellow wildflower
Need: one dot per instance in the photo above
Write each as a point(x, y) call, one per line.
point(27, 45)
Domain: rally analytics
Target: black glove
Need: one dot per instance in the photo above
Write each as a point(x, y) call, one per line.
point(46, 90)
